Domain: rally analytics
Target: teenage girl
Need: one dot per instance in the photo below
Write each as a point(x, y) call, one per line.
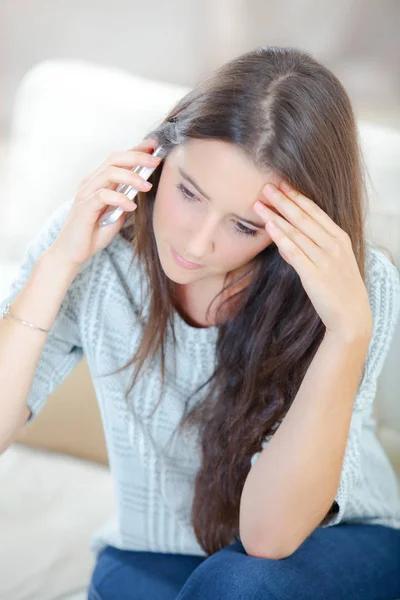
point(235, 321)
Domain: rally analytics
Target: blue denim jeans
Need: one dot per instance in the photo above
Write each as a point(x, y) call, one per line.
point(342, 562)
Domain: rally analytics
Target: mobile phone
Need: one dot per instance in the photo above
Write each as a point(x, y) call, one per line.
point(113, 213)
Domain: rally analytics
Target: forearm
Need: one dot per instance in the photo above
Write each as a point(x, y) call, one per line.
point(293, 483)
point(20, 346)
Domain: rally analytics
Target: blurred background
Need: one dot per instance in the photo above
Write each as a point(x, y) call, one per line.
point(180, 40)
point(82, 78)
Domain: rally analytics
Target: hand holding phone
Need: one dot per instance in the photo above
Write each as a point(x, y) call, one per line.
point(112, 214)
point(97, 200)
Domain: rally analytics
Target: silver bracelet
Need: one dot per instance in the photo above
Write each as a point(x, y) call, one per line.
point(7, 313)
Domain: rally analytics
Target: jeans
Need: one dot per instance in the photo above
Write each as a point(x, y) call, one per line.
point(345, 561)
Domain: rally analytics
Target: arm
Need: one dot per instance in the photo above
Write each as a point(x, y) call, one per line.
point(292, 485)
point(20, 346)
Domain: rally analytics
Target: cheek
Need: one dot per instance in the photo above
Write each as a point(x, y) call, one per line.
point(234, 254)
point(171, 213)
point(166, 211)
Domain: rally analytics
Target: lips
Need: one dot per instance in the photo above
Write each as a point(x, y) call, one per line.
point(184, 263)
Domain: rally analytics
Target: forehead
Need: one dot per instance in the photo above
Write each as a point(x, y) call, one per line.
point(222, 170)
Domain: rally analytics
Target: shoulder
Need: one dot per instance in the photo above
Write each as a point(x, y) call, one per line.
point(383, 286)
point(118, 281)
point(117, 261)
point(380, 271)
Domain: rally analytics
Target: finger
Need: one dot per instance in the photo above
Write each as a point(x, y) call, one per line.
point(113, 176)
point(307, 245)
point(132, 158)
point(106, 197)
point(312, 209)
point(146, 144)
point(289, 250)
point(301, 220)
point(129, 158)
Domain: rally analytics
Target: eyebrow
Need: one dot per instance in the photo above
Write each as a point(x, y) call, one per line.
point(194, 184)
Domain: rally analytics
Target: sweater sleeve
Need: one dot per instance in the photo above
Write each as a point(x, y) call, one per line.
point(383, 285)
point(63, 347)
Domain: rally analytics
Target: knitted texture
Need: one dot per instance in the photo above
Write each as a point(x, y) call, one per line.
point(154, 469)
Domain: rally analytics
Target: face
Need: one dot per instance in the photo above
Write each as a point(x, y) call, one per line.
point(202, 207)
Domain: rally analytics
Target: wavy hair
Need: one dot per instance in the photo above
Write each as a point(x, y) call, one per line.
point(290, 114)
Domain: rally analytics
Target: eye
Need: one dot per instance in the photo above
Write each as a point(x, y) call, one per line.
point(239, 227)
point(185, 193)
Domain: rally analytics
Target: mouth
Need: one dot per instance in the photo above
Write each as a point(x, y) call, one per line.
point(184, 263)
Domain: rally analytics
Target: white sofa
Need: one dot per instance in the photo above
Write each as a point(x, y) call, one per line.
point(69, 116)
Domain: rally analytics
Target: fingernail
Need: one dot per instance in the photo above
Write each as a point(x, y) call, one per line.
point(269, 188)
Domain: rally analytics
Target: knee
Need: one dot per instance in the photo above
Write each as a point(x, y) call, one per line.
point(106, 572)
point(232, 574)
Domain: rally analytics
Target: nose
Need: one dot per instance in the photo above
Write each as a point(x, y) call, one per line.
point(201, 242)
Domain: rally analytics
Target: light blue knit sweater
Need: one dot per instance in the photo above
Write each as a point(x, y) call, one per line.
point(153, 475)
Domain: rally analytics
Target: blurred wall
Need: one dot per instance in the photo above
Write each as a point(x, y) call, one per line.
point(181, 40)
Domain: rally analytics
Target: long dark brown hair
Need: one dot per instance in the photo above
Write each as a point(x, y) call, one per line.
point(290, 114)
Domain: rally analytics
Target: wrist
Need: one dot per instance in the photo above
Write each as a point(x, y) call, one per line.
point(56, 260)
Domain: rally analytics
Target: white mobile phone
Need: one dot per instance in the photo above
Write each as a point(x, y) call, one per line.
point(112, 213)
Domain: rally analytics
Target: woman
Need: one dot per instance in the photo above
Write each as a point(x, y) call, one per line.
point(235, 389)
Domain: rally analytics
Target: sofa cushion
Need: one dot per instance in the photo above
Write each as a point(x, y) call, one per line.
point(50, 506)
